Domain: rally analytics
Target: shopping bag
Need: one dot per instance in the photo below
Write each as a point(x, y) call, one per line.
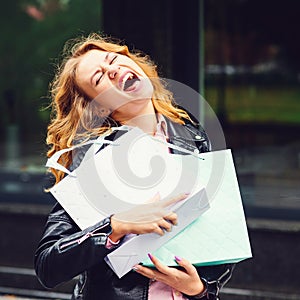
point(220, 234)
point(118, 177)
point(127, 172)
point(133, 250)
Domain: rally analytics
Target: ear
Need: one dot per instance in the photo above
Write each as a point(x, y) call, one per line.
point(104, 112)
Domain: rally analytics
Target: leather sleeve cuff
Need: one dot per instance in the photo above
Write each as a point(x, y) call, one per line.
point(99, 232)
point(203, 294)
point(212, 287)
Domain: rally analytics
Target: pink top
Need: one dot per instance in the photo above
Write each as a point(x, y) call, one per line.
point(158, 290)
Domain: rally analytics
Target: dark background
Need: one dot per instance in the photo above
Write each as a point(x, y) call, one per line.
point(241, 55)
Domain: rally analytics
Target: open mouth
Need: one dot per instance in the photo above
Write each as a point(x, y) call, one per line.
point(130, 82)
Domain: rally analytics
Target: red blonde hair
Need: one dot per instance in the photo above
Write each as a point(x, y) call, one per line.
point(70, 106)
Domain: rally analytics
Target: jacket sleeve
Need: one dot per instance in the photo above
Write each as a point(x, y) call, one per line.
point(66, 251)
point(214, 278)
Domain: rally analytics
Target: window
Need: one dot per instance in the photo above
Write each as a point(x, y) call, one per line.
point(32, 37)
point(252, 74)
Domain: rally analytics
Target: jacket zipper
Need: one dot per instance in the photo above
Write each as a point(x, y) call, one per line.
point(83, 284)
point(218, 282)
point(223, 275)
point(83, 238)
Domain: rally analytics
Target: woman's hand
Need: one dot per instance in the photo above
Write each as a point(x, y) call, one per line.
point(186, 280)
point(145, 218)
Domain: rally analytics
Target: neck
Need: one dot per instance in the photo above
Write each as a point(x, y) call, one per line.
point(145, 119)
point(147, 123)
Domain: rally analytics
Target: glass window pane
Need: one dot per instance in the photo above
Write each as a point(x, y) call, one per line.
point(252, 69)
point(32, 37)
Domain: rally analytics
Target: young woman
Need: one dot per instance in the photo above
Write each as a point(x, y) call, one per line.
point(101, 84)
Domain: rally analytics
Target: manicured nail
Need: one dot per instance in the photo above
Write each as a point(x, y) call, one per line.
point(135, 268)
point(177, 258)
point(150, 256)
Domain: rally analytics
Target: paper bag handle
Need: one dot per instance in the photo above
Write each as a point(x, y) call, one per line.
point(172, 146)
point(52, 161)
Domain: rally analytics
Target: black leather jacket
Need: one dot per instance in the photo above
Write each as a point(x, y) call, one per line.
point(65, 251)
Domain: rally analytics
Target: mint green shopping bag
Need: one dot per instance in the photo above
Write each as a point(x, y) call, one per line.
point(219, 235)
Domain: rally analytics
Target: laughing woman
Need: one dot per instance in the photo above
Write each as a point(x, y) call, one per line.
point(101, 84)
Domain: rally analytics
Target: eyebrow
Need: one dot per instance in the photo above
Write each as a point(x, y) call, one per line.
point(106, 56)
point(97, 71)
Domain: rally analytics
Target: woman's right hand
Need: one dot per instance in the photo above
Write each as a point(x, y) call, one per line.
point(145, 218)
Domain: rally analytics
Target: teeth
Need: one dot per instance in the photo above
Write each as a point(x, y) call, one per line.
point(128, 76)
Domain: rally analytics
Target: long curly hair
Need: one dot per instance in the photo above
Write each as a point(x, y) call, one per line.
point(72, 113)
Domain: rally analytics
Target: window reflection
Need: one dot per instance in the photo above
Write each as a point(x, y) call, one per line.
point(252, 74)
point(32, 36)
point(252, 81)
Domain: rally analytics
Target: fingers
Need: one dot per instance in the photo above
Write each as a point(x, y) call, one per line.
point(157, 229)
point(161, 226)
point(155, 198)
point(161, 272)
point(165, 225)
point(189, 268)
point(171, 217)
point(172, 200)
point(120, 228)
point(159, 266)
point(186, 281)
point(147, 272)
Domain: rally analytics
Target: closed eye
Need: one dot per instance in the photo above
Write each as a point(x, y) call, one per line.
point(101, 73)
point(113, 59)
point(99, 78)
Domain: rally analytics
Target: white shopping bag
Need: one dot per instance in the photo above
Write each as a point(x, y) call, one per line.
point(132, 170)
point(127, 172)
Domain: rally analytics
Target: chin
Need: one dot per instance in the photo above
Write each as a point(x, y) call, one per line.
point(134, 108)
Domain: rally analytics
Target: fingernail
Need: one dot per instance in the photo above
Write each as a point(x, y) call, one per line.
point(177, 258)
point(135, 268)
point(187, 193)
point(150, 256)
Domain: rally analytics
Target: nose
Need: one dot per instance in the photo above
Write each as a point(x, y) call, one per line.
point(112, 71)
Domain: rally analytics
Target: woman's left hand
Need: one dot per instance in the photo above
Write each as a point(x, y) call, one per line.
point(185, 280)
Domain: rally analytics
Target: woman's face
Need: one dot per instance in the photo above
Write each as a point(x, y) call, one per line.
point(114, 81)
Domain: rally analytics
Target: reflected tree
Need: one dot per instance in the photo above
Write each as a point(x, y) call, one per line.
point(32, 36)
